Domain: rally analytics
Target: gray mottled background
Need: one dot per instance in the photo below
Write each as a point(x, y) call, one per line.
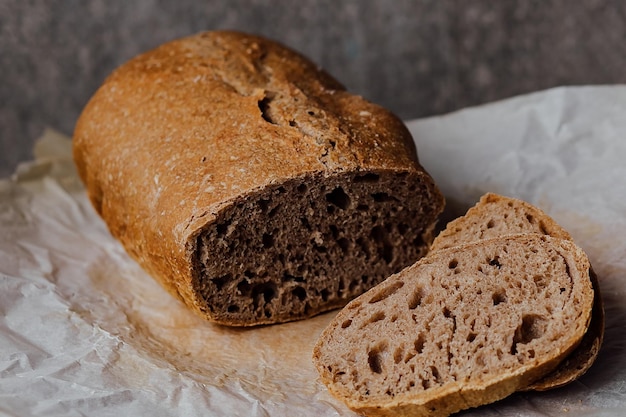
point(417, 58)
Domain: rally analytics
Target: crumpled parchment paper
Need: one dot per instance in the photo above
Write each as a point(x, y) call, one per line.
point(85, 332)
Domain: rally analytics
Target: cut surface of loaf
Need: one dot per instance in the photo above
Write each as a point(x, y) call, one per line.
point(496, 216)
point(249, 182)
point(460, 328)
point(310, 244)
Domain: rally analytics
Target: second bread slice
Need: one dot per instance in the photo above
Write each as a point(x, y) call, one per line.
point(496, 216)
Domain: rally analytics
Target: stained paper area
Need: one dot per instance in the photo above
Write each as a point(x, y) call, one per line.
point(84, 331)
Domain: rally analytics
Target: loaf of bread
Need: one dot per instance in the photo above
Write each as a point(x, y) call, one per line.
point(249, 182)
point(495, 216)
point(462, 327)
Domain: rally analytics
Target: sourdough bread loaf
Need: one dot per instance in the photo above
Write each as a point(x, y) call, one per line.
point(249, 182)
point(496, 215)
point(462, 327)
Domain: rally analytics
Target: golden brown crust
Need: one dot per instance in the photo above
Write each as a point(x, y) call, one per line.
point(178, 133)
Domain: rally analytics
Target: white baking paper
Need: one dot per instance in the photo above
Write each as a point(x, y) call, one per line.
point(85, 332)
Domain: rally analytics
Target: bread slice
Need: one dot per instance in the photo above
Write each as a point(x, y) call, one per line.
point(462, 327)
point(496, 215)
point(249, 182)
point(493, 216)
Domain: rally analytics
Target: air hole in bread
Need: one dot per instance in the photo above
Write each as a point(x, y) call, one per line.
point(403, 228)
point(233, 308)
point(418, 241)
point(362, 207)
point(382, 197)
point(305, 223)
point(453, 263)
point(268, 240)
point(341, 288)
point(339, 198)
point(531, 328)
point(374, 357)
point(435, 373)
point(264, 205)
point(378, 316)
point(471, 336)
point(419, 343)
point(320, 248)
point(480, 361)
point(490, 224)
point(378, 233)
point(385, 248)
point(344, 244)
point(266, 290)
point(220, 281)
point(302, 188)
point(221, 228)
point(398, 354)
point(346, 324)
point(289, 277)
point(416, 298)
point(495, 261)
point(499, 296)
point(386, 291)
point(540, 281)
point(387, 253)
point(299, 293)
point(361, 243)
point(264, 106)
point(369, 177)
